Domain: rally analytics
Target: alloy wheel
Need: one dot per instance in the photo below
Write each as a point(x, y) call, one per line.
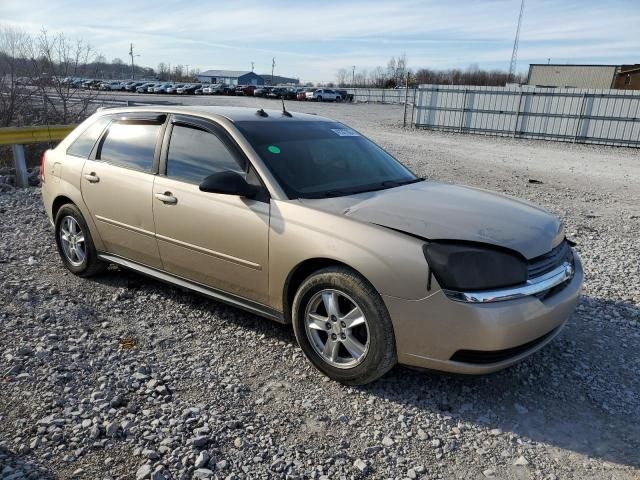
point(72, 241)
point(337, 328)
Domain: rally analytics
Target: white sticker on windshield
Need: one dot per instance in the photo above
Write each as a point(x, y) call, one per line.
point(345, 132)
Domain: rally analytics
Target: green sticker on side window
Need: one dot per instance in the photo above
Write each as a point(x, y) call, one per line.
point(273, 149)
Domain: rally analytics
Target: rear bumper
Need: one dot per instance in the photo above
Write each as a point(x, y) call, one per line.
point(437, 332)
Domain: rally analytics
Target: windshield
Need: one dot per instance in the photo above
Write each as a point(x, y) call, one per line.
point(323, 159)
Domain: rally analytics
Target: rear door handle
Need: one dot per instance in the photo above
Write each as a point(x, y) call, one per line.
point(92, 177)
point(166, 197)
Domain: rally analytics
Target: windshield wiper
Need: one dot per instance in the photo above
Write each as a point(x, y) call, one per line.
point(399, 183)
point(371, 188)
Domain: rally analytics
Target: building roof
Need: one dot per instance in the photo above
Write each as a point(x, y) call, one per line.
point(629, 68)
point(571, 65)
point(224, 73)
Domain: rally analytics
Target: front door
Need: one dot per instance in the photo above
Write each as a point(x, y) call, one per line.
point(117, 186)
point(217, 240)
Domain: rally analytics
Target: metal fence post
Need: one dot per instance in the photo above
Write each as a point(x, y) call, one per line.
point(413, 107)
point(22, 178)
point(406, 99)
point(584, 101)
point(464, 105)
point(515, 126)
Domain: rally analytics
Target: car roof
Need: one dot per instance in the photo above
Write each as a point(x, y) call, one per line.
point(233, 114)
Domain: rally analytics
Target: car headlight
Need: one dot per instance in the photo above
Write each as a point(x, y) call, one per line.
point(466, 266)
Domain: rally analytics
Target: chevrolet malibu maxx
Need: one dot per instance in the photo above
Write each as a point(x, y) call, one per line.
point(303, 220)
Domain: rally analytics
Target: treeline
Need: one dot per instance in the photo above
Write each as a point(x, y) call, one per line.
point(396, 71)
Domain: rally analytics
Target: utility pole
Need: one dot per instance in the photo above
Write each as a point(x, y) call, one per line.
point(353, 76)
point(252, 66)
point(169, 72)
point(187, 72)
point(514, 54)
point(132, 68)
point(273, 65)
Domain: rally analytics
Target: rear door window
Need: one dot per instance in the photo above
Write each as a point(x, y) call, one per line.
point(83, 145)
point(131, 145)
point(194, 154)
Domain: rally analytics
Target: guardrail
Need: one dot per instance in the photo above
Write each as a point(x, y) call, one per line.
point(17, 137)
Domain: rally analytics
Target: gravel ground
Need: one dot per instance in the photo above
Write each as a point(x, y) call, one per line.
point(120, 376)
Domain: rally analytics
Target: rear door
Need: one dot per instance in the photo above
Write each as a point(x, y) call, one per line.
point(117, 186)
point(217, 240)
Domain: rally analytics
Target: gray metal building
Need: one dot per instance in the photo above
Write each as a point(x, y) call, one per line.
point(230, 77)
point(572, 76)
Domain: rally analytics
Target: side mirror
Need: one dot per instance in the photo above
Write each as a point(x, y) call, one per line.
point(228, 183)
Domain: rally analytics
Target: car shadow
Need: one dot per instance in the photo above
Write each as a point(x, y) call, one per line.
point(580, 393)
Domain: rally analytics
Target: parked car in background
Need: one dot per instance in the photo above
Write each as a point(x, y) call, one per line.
point(91, 84)
point(188, 89)
point(262, 91)
point(324, 95)
point(143, 88)
point(277, 92)
point(346, 96)
point(174, 88)
point(198, 91)
point(302, 95)
point(215, 89)
point(161, 88)
point(209, 89)
point(132, 86)
point(246, 90)
point(112, 85)
point(309, 223)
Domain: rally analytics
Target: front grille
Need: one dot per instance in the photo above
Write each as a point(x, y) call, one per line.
point(553, 259)
point(484, 357)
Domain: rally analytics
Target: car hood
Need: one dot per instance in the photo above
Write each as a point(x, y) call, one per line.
point(441, 211)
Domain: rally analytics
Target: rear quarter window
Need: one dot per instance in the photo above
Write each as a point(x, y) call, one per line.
point(130, 145)
point(82, 146)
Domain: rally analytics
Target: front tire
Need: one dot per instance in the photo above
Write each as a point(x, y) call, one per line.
point(343, 327)
point(75, 244)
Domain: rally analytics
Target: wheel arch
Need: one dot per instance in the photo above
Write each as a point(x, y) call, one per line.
point(301, 272)
point(58, 202)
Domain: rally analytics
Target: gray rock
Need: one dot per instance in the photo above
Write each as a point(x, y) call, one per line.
point(143, 472)
point(202, 459)
point(203, 473)
point(361, 466)
point(200, 441)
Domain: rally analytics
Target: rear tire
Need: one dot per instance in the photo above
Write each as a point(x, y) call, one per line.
point(75, 244)
point(343, 327)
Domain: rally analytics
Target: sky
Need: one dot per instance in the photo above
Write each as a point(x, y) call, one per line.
point(312, 40)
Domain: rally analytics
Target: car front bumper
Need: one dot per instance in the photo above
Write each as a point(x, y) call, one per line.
point(439, 333)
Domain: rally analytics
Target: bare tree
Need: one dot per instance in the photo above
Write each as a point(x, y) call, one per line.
point(57, 60)
point(15, 74)
point(163, 71)
point(178, 72)
point(341, 76)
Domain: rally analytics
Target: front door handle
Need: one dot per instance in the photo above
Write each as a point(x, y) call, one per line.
point(167, 198)
point(92, 177)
